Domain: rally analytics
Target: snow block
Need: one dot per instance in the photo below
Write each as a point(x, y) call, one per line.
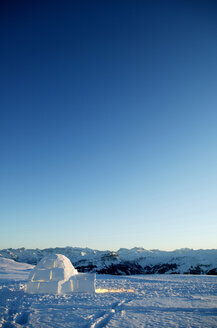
point(50, 287)
point(31, 287)
point(41, 275)
point(85, 283)
point(80, 283)
point(68, 286)
point(58, 274)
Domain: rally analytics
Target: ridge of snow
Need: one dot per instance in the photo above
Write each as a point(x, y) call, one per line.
point(10, 269)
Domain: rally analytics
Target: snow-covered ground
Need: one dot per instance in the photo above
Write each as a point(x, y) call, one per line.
point(157, 301)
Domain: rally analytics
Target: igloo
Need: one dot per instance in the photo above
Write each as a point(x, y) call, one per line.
point(55, 274)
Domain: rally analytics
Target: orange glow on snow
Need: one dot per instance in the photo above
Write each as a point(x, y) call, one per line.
point(104, 290)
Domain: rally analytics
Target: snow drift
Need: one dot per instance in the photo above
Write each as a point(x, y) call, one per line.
point(10, 269)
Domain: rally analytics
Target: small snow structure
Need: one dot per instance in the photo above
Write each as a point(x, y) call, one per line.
point(55, 274)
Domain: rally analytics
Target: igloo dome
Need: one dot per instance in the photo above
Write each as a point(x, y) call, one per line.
point(55, 274)
point(56, 264)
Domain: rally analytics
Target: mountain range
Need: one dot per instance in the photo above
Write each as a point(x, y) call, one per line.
point(126, 261)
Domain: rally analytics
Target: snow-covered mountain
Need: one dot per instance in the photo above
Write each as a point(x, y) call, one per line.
point(126, 261)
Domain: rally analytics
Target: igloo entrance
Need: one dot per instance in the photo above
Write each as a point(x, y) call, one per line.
point(55, 274)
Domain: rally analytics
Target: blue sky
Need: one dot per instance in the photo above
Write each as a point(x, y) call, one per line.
point(108, 115)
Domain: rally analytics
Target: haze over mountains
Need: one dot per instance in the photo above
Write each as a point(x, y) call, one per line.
point(126, 261)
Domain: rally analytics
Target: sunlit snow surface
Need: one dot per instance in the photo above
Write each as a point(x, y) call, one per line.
point(157, 301)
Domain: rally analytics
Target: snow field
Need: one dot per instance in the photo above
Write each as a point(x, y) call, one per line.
point(182, 301)
point(158, 301)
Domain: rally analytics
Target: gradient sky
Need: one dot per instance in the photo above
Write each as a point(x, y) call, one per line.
point(108, 124)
